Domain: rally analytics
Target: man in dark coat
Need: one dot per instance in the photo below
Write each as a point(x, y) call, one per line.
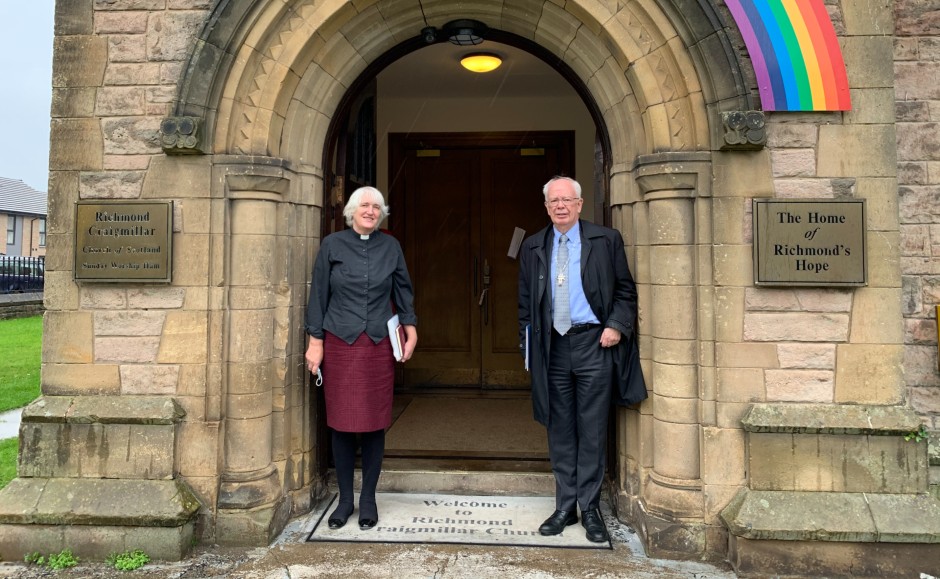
point(577, 314)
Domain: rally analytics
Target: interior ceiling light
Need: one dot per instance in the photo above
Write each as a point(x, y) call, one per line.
point(481, 62)
point(465, 32)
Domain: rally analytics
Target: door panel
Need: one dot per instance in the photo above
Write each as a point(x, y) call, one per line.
point(513, 198)
point(441, 235)
point(464, 196)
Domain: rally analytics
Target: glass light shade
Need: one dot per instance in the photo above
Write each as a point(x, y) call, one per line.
point(481, 62)
point(465, 32)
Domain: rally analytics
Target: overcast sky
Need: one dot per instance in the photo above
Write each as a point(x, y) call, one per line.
point(26, 30)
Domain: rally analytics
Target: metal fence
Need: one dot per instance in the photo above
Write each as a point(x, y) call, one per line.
point(21, 274)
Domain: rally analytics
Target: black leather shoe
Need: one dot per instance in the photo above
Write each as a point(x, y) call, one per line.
point(594, 525)
point(557, 522)
point(340, 515)
point(337, 522)
point(368, 514)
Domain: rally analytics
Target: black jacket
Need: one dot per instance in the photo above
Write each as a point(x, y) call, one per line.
point(611, 293)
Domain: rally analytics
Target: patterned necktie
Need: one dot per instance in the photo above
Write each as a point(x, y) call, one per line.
point(562, 321)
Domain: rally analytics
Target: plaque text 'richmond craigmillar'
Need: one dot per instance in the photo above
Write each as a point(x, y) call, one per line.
point(809, 242)
point(128, 241)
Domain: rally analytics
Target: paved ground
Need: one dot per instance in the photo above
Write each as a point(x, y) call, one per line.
point(10, 423)
point(292, 558)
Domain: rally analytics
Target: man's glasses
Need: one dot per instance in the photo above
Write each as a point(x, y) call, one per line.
point(562, 201)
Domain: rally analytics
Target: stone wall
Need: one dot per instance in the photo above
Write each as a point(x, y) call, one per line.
point(20, 306)
point(115, 75)
point(917, 93)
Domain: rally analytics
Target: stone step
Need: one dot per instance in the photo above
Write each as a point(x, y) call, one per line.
point(96, 517)
point(464, 482)
point(816, 534)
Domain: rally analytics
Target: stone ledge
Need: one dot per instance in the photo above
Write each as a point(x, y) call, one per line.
point(104, 410)
point(838, 517)
point(108, 502)
point(96, 543)
point(831, 419)
point(815, 559)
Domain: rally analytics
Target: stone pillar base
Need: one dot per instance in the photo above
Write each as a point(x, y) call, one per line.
point(665, 537)
point(253, 509)
point(256, 527)
point(96, 517)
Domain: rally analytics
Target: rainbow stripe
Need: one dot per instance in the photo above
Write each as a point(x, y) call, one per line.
point(795, 53)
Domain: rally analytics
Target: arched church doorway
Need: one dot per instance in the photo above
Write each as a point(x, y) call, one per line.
point(263, 97)
point(462, 158)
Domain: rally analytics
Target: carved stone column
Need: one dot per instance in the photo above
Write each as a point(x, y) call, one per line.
point(252, 504)
point(675, 189)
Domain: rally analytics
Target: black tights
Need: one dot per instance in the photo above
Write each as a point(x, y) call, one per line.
point(344, 456)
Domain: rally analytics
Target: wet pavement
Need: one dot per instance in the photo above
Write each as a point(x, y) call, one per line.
point(10, 423)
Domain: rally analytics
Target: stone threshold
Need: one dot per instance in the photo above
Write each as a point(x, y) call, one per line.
point(464, 482)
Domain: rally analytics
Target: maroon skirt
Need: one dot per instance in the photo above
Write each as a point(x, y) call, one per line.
point(358, 383)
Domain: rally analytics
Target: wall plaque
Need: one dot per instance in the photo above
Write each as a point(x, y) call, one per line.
point(817, 242)
point(123, 241)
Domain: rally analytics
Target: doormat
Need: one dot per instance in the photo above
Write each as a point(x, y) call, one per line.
point(467, 427)
point(456, 519)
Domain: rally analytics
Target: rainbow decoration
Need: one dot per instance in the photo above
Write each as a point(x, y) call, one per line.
point(795, 53)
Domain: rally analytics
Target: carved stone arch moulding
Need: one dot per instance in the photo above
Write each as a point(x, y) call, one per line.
point(251, 55)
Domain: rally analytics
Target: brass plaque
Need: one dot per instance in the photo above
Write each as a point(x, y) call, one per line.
point(123, 241)
point(817, 242)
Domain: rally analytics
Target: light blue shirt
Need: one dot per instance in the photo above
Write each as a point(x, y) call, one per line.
point(581, 312)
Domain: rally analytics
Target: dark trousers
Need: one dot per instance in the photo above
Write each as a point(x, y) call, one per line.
point(579, 383)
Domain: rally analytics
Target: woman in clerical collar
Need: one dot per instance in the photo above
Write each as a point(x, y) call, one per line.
point(358, 278)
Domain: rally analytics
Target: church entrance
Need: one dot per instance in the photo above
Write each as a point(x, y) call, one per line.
point(464, 189)
point(466, 201)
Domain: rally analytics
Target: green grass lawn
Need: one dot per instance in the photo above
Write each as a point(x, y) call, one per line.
point(8, 449)
point(21, 344)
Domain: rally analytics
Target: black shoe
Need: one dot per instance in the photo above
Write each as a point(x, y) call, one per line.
point(368, 514)
point(340, 515)
point(557, 522)
point(594, 525)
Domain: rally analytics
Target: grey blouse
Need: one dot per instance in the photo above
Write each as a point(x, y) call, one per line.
point(354, 283)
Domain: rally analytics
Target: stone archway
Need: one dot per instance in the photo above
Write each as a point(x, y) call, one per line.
point(260, 93)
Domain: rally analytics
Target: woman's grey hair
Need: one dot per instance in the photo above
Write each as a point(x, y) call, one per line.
point(356, 198)
point(574, 184)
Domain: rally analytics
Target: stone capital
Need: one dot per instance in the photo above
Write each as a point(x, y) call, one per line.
point(254, 177)
point(673, 174)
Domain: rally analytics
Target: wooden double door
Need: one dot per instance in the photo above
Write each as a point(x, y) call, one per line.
point(457, 201)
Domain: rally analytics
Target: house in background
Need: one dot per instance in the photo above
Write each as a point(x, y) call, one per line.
point(22, 219)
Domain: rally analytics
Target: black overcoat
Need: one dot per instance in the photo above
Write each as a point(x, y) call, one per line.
point(611, 293)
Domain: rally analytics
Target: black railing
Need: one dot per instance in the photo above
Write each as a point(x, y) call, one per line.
point(21, 274)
